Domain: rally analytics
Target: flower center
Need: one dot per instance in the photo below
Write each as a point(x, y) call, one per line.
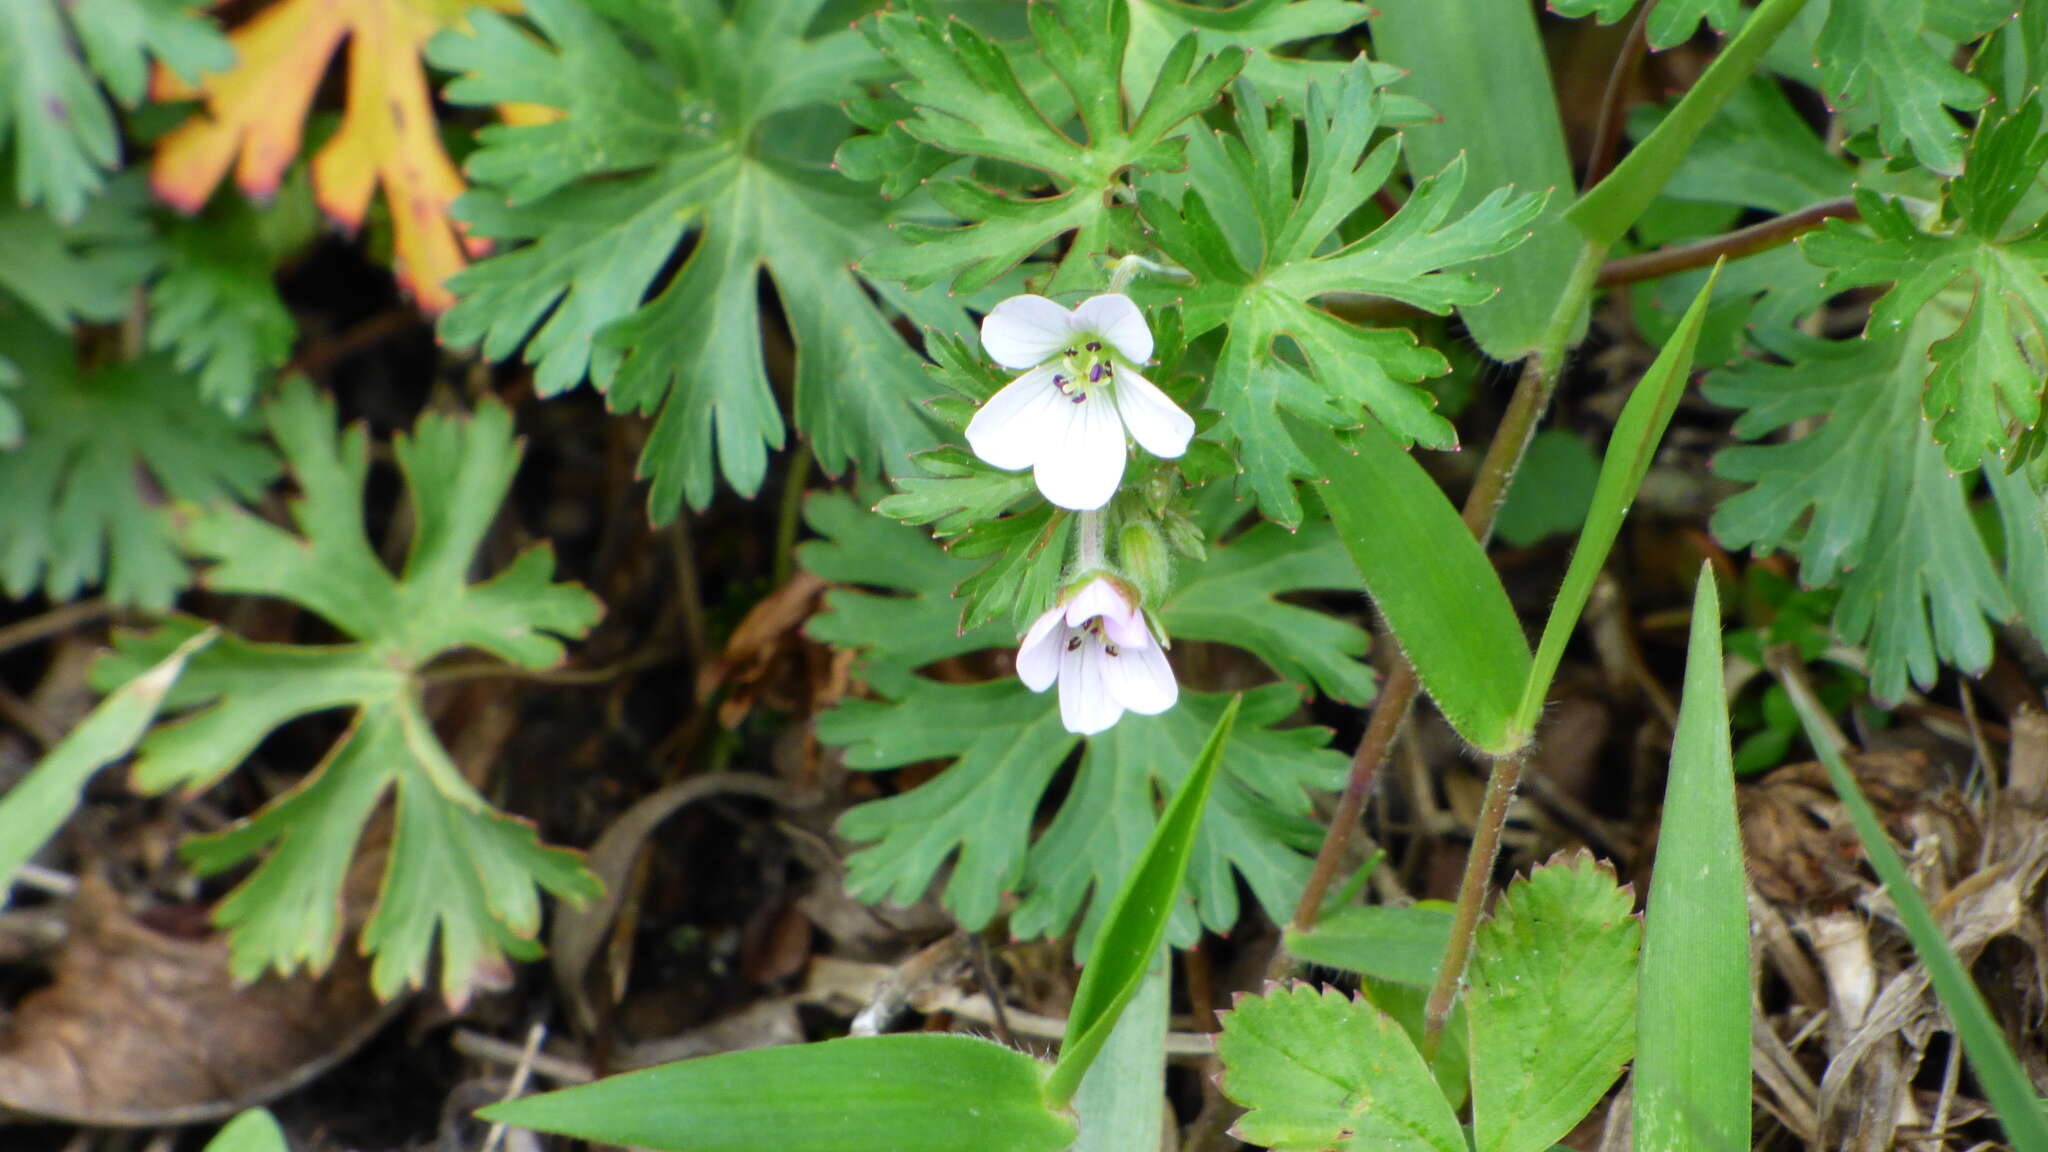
point(1082, 369)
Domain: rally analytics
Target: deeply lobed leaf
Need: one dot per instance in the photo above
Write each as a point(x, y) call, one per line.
point(460, 873)
point(664, 138)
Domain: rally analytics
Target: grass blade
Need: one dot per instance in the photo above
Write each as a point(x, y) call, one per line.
point(1613, 206)
point(1692, 1077)
point(1122, 1098)
point(1991, 1057)
point(1629, 452)
point(1136, 927)
point(34, 809)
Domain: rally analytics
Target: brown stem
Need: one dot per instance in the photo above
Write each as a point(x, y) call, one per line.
point(1397, 696)
point(1493, 817)
point(1607, 130)
point(1733, 245)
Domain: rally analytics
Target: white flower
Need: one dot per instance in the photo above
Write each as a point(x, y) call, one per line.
point(1066, 417)
point(1097, 645)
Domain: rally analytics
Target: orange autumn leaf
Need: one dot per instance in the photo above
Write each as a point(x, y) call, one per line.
point(255, 117)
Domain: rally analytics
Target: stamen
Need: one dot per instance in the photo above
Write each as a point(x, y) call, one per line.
point(1071, 352)
point(1097, 372)
point(1095, 345)
point(1073, 643)
point(1110, 649)
point(1080, 396)
point(1061, 383)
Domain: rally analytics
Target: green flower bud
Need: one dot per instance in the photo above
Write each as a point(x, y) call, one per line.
point(1144, 561)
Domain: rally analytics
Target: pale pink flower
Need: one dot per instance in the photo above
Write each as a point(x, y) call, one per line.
point(1097, 645)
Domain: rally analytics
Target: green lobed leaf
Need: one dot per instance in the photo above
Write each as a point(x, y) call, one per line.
point(1550, 1003)
point(1330, 372)
point(1692, 1075)
point(1430, 580)
point(1134, 930)
point(680, 127)
point(969, 100)
point(1998, 1070)
point(53, 56)
point(255, 1130)
point(1480, 64)
point(1892, 60)
point(460, 873)
point(1671, 21)
point(99, 453)
point(1404, 945)
point(1321, 1070)
point(1756, 152)
point(1863, 500)
point(82, 271)
point(38, 804)
point(1609, 209)
point(1980, 289)
point(1630, 451)
point(911, 1093)
point(1261, 28)
point(214, 306)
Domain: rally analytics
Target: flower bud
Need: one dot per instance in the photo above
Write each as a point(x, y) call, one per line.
point(1144, 560)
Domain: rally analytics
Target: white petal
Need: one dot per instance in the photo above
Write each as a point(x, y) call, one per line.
point(1038, 654)
point(1128, 631)
point(1098, 597)
point(1026, 331)
point(1080, 466)
point(1086, 705)
point(1140, 679)
point(1155, 421)
point(1117, 320)
point(1013, 428)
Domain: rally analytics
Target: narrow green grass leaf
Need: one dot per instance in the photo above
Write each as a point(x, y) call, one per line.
point(1999, 1073)
point(1136, 927)
point(1551, 1005)
point(1480, 65)
point(253, 1131)
point(1613, 206)
point(916, 1092)
point(1122, 1098)
point(1692, 1023)
point(1431, 580)
point(33, 810)
point(1629, 453)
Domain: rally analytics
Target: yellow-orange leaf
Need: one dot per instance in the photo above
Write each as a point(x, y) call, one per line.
point(256, 112)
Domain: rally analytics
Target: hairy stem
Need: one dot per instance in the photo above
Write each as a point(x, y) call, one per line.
point(1089, 554)
point(1493, 815)
point(1733, 245)
point(1482, 504)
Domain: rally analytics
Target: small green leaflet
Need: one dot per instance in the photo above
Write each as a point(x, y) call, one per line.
point(1321, 1070)
point(1983, 289)
point(64, 136)
point(1671, 21)
point(1865, 500)
point(1336, 371)
point(686, 122)
point(1550, 1003)
point(98, 454)
point(1006, 743)
point(458, 870)
point(86, 270)
point(968, 99)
